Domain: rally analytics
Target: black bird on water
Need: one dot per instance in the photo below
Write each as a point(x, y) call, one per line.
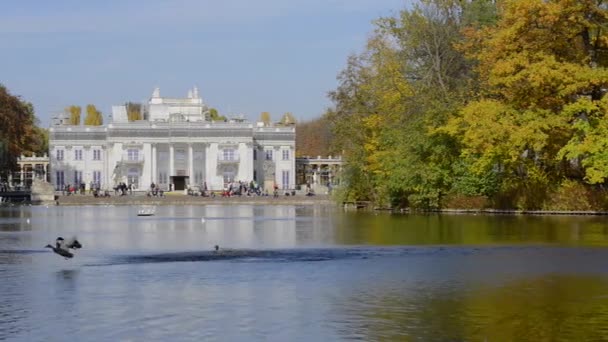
point(63, 248)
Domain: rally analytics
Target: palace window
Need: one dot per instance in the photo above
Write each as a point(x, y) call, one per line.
point(285, 154)
point(285, 178)
point(59, 154)
point(59, 179)
point(229, 154)
point(162, 178)
point(96, 154)
point(77, 177)
point(133, 154)
point(97, 177)
point(77, 154)
point(268, 154)
point(198, 177)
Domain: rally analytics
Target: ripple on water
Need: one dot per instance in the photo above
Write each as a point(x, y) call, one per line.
point(301, 254)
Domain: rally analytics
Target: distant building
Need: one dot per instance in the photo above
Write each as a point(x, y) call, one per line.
point(31, 167)
point(323, 171)
point(174, 146)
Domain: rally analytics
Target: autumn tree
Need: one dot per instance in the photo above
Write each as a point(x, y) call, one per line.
point(287, 119)
point(74, 113)
point(315, 138)
point(133, 111)
point(539, 115)
point(94, 117)
point(502, 99)
point(18, 131)
point(265, 118)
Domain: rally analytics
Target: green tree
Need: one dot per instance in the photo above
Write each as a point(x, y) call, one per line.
point(94, 117)
point(214, 115)
point(393, 97)
point(40, 141)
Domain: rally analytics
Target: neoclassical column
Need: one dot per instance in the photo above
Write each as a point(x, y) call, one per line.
point(203, 165)
point(87, 174)
point(105, 176)
point(190, 165)
point(171, 160)
point(153, 165)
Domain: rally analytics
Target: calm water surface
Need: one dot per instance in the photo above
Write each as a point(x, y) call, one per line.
point(289, 273)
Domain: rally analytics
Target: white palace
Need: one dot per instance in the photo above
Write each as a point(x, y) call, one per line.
point(175, 146)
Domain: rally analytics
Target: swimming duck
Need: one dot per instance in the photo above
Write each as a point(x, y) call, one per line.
point(63, 248)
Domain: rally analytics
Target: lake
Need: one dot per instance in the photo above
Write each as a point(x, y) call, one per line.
point(300, 273)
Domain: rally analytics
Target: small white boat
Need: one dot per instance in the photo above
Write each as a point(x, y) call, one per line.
point(145, 212)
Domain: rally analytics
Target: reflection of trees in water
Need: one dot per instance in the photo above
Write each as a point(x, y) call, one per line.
point(424, 314)
point(548, 308)
point(421, 229)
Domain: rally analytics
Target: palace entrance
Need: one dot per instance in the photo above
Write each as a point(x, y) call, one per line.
point(179, 182)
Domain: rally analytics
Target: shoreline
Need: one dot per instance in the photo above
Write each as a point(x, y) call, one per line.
point(300, 200)
point(174, 199)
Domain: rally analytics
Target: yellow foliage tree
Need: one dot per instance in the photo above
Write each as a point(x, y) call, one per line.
point(94, 117)
point(133, 111)
point(265, 118)
point(288, 119)
point(74, 112)
point(542, 70)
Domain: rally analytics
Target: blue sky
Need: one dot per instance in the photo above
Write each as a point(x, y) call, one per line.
point(245, 56)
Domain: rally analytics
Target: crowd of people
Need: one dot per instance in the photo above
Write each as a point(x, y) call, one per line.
point(155, 191)
point(237, 188)
point(242, 189)
point(94, 189)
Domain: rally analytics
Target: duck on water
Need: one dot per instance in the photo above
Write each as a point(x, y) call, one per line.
point(63, 247)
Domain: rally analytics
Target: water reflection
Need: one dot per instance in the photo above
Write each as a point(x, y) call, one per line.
point(547, 308)
point(365, 228)
point(294, 273)
point(194, 227)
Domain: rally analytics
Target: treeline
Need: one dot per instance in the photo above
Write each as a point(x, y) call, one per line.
point(478, 103)
point(19, 133)
point(315, 138)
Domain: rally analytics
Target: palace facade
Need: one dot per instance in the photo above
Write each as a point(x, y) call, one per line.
point(174, 146)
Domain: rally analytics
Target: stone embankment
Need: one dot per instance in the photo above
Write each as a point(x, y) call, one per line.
point(179, 199)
